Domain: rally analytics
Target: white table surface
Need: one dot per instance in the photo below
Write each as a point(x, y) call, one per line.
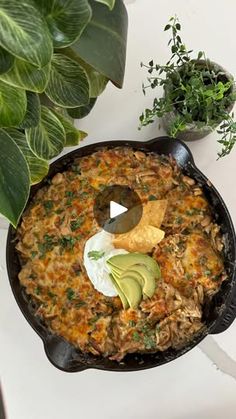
point(201, 384)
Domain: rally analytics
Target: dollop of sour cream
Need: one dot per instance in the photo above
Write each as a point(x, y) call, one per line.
point(98, 271)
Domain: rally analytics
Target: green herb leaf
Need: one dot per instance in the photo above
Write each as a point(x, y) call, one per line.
point(67, 242)
point(136, 336)
point(48, 205)
point(152, 198)
point(75, 224)
point(96, 254)
point(70, 293)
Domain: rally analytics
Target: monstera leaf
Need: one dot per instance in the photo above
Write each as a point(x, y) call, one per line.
point(109, 28)
point(24, 33)
point(66, 19)
point(14, 179)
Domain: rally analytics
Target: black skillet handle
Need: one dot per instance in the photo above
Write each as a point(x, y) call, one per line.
point(166, 145)
point(62, 355)
point(227, 319)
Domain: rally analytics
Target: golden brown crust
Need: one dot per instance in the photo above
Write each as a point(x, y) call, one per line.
point(60, 219)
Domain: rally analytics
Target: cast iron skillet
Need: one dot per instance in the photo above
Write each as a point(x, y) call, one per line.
point(218, 315)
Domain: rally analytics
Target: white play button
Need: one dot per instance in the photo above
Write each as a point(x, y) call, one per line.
point(116, 209)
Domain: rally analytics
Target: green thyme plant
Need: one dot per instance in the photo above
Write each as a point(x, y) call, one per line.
point(193, 90)
point(56, 58)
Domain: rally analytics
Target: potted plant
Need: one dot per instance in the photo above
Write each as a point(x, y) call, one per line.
point(198, 94)
point(56, 58)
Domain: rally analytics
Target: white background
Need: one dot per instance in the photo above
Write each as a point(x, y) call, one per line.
point(191, 387)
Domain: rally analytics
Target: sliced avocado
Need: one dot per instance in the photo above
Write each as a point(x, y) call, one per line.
point(123, 262)
point(120, 293)
point(134, 274)
point(148, 278)
point(114, 267)
point(115, 275)
point(132, 290)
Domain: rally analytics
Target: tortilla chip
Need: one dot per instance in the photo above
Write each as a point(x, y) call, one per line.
point(154, 212)
point(143, 238)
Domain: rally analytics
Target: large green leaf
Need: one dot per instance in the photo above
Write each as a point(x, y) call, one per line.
point(27, 76)
point(6, 60)
point(33, 111)
point(24, 32)
point(109, 3)
point(38, 167)
point(103, 42)
point(12, 105)
point(97, 81)
point(48, 138)
point(82, 111)
point(14, 179)
point(66, 19)
point(68, 85)
point(73, 135)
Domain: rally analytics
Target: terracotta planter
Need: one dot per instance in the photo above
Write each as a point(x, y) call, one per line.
point(193, 131)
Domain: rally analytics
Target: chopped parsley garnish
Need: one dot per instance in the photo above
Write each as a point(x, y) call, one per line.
point(149, 342)
point(59, 211)
point(75, 168)
point(132, 323)
point(48, 205)
point(96, 254)
point(33, 254)
point(188, 275)
point(67, 242)
point(33, 276)
point(98, 161)
point(136, 336)
point(70, 293)
point(193, 211)
point(93, 320)
point(152, 198)
point(179, 220)
point(207, 272)
point(145, 188)
point(51, 294)
point(80, 304)
point(47, 245)
point(76, 223)
point(37, 290)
